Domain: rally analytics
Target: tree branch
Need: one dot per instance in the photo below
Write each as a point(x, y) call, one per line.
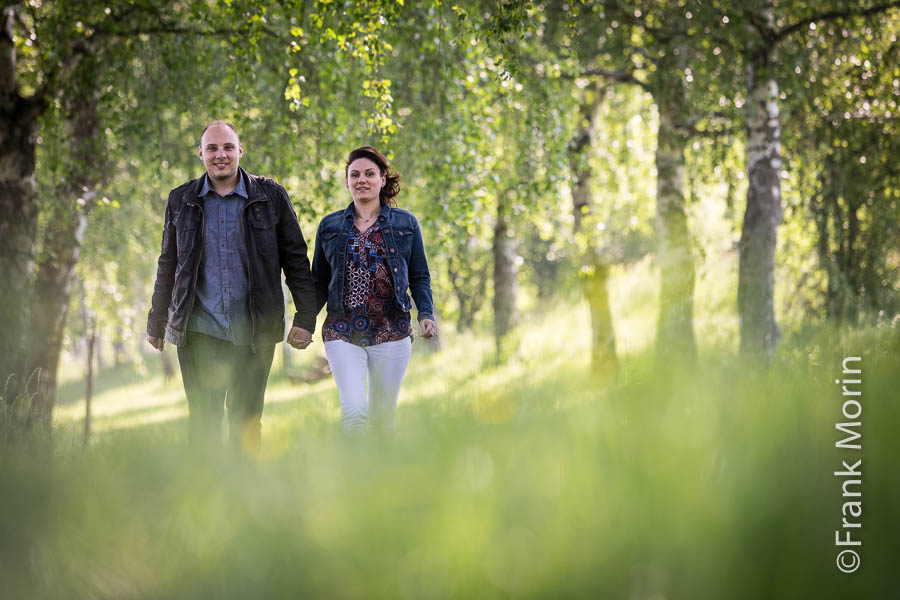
point(758, 25)
point(7, 56)
point(617, 76)
point(78, 50)
point(832, 16)
point(662, 35)
point(183, 30)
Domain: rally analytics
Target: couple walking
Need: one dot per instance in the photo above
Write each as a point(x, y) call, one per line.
point(228, 236)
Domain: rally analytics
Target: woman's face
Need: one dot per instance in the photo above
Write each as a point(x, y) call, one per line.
point(364, 180)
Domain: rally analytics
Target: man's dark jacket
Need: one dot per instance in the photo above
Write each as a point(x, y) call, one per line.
point(272, 243)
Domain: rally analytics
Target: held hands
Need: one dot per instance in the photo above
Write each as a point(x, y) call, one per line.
point(429, 328)
point(299, 338)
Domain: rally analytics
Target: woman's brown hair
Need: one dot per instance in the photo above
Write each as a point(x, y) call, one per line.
point(391, 178)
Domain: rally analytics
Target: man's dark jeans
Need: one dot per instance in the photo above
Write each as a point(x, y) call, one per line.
point(216, 374)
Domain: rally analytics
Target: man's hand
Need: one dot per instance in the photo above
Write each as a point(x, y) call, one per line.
point(299, 338)
point(429, 328)
point(158, 343)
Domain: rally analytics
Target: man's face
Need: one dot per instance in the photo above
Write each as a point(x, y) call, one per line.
point(221, 152)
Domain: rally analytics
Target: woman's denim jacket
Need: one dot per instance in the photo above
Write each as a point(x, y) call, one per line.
point(405, 254)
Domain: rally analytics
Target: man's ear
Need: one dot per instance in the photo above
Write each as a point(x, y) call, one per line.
point(240, 150)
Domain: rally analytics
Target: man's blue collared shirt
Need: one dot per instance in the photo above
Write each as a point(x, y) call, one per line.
point(222, 307)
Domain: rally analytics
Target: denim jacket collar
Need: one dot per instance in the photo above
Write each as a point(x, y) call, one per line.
point(383, 216)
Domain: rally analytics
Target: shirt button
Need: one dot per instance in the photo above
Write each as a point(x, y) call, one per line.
point(392, 250)
point(395, 269)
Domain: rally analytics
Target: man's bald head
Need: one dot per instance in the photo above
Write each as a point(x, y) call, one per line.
point(219, 123)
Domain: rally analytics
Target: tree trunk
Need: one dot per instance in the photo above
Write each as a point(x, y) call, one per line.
point(89, 324)
point(851, 263)
point(468, 283)
point(168, 365)
point(62, 244)
point(604, 361)
point(819, 208)
point(465, 320)
point(756, 277)
point(18, 211)
point(53, 287)
point(89, 385)
point(98, 351)
point(675, 330)
point(118, 347)
point(594, 268)
point(505, 282)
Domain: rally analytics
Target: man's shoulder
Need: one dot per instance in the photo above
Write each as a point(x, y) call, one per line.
point(177, 194)
point(265, 181)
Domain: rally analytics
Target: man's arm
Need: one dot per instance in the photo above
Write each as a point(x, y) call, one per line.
point(165, 279)
point(292, 251)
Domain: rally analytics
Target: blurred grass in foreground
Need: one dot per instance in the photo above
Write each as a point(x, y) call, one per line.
point(526, 478)
point(522, 479)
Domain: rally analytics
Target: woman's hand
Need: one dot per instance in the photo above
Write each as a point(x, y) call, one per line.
point(299, 338)
point(429, 328)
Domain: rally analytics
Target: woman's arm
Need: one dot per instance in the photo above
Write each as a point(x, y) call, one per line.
point(420, 277)
point(321, 271)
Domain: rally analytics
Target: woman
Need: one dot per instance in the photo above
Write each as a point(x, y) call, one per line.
point(366, 255)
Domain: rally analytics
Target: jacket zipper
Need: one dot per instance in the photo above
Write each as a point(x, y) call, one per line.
point(249, 277)
point(197, 266)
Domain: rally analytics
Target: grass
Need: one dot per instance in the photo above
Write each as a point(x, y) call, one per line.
point(526, 478)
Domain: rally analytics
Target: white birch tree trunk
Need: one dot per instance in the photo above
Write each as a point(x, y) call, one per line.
point(18, 211)
point(505, 275)
point(594, 268)
point(675, 329)
point(756, 278)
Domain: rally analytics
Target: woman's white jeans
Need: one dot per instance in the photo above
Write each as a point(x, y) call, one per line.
point(385, 364)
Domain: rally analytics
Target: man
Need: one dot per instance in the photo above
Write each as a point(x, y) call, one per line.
point(218, 296)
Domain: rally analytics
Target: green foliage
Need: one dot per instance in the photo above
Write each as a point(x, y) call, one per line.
point(843, 92)
point(356, 32)
point(622, 222)
point(477, 105)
